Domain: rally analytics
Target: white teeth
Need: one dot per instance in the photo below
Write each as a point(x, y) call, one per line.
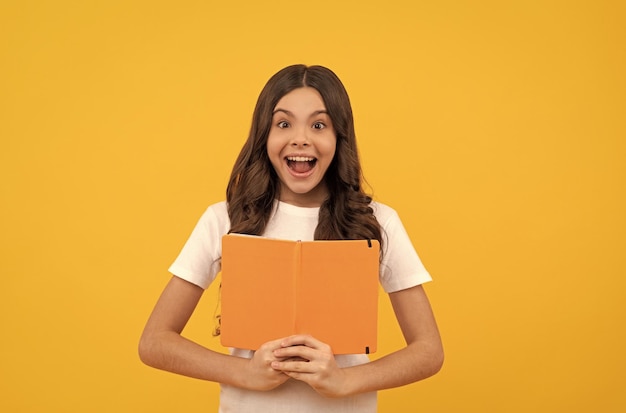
point(300, 158)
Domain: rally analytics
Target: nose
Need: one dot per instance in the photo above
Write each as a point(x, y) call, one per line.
point(300, 137)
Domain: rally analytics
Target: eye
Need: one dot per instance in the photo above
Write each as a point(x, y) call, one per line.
point(283, 124)
point(319, 125)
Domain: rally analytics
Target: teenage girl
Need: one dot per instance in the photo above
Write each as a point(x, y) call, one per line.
point(297, 177)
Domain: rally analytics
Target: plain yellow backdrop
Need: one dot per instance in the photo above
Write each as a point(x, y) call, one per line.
point(496, 129)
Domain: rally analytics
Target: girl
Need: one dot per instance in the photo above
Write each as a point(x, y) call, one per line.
point(297, 177)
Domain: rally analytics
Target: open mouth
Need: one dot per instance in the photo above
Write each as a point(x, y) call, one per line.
point(301, 164)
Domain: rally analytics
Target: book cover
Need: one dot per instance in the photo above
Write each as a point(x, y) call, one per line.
point(275, 288)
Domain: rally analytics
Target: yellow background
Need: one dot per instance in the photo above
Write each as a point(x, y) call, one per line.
point(496, 129)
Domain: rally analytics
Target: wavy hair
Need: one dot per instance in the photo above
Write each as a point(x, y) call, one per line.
point(254, 185)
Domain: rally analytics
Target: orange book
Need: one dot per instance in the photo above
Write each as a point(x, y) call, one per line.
point(275, 288)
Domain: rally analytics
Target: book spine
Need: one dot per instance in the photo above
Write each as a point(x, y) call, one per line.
point(297, 272)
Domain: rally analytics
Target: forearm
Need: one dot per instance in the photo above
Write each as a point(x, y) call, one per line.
point(171, 352)
point(413, 363)
point(162, 346)
point(311, 361)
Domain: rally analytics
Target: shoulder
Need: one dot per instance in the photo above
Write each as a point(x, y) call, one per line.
point(216, 215)
point(384, 213)
point(219, 209)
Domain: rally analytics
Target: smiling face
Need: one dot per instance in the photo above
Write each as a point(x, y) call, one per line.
point(301, 146)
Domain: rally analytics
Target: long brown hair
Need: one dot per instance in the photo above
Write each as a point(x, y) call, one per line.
point(254, 185)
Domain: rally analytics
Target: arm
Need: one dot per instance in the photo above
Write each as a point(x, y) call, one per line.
point(421, 358)
point(162, 346)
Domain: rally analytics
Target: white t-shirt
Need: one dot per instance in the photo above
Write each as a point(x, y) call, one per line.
point(199, 262)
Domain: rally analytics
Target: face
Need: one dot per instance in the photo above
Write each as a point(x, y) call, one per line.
point(301, 145)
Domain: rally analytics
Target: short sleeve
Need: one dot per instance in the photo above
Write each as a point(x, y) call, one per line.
point(199, 261)
point(401, 267)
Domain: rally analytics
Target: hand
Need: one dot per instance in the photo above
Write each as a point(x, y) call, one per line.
point(259, 374)
point(309, 360)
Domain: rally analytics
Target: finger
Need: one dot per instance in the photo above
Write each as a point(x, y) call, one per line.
point(291, 366)
point(292, 359)
point(304, 340)
point(265, 352)
point(272, 345)
point(298, 351)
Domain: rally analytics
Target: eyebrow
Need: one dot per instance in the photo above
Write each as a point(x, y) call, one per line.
point(288, 113)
